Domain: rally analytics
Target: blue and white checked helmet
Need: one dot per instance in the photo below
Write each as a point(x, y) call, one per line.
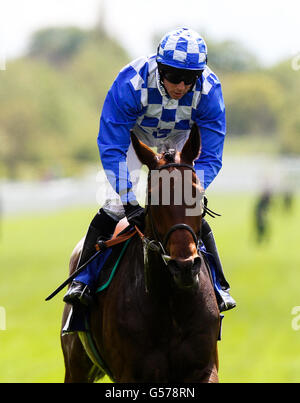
point(182, 48)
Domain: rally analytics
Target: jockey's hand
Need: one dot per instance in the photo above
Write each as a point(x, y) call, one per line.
point(135, 215)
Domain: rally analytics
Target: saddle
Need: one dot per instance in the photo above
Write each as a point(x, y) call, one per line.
point(77, 320)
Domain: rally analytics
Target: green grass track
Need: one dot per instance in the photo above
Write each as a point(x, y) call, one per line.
point(259, 341)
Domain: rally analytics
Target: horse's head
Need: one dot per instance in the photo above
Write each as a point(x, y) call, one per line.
point(174, 206)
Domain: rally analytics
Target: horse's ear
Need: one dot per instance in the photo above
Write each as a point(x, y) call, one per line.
point(192, 147)
point(144, 153)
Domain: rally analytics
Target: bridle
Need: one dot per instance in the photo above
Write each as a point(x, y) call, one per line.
point(160, 245)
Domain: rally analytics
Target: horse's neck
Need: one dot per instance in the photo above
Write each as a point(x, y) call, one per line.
point(157, 283)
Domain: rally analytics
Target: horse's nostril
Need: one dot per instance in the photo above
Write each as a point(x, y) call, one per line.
point(189, 267)
point(196, 266)
point(173, 266)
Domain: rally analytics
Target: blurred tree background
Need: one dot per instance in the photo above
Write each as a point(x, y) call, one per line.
point(51, 100)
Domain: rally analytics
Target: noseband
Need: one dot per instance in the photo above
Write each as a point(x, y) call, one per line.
point(175, 228)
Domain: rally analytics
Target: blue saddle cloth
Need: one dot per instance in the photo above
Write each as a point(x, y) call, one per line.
point(90, 275)
point(78, 317)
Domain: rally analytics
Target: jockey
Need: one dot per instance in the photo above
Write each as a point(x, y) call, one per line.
point(159, 97)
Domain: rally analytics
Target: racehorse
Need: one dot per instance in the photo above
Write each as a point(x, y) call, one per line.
point(159, 320)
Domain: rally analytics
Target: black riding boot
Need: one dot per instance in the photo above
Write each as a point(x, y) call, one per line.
point(102, 227)
point(210, 244)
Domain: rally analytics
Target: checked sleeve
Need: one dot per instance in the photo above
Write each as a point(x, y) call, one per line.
point(211, 120)
point(119, 114)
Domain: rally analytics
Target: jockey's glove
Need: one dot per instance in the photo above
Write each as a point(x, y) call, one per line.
point(135, 215)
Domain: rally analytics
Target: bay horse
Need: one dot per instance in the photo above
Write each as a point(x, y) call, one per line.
point(159, 320)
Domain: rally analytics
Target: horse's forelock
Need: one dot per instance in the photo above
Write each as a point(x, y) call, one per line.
point(168, 152)
point(169, 155)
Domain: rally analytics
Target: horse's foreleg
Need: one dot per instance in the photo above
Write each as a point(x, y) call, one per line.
point(213, 378)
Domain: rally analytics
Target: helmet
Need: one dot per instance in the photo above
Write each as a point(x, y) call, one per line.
point(182, 48)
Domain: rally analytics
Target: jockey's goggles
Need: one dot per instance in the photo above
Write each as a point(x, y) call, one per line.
point(176, 76)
